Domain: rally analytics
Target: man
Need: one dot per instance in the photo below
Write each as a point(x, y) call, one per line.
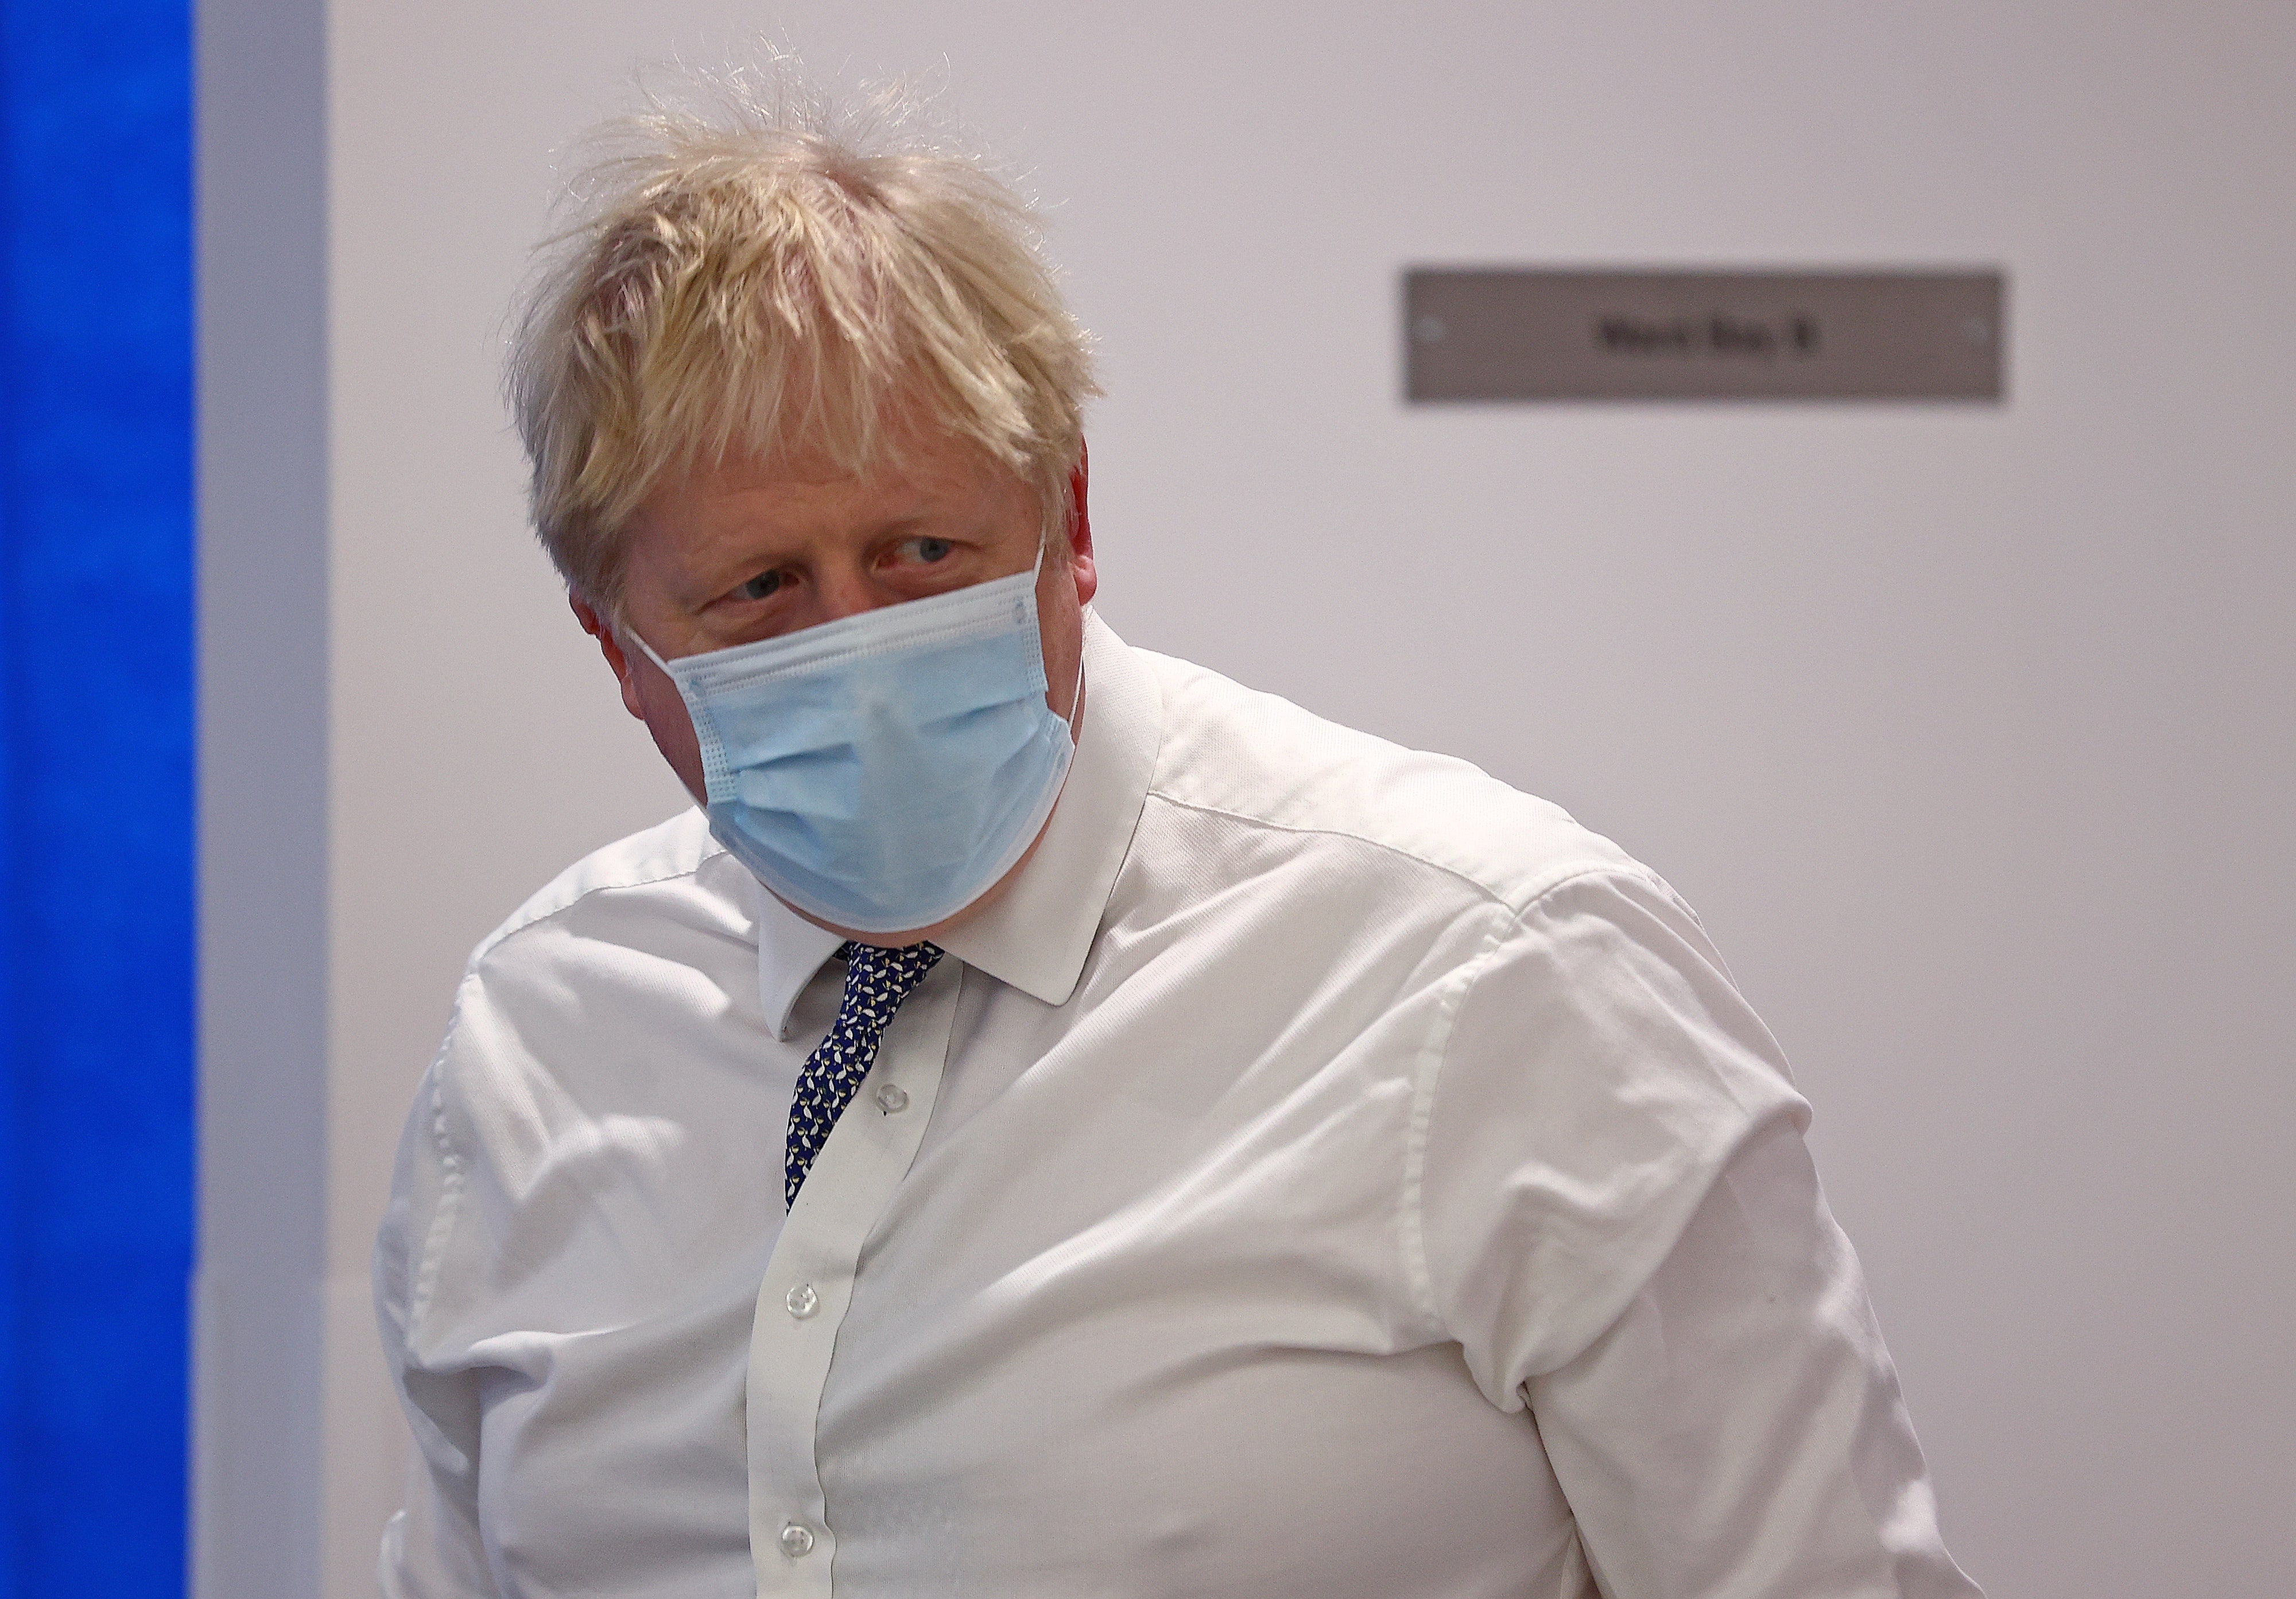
point(1055, 1122)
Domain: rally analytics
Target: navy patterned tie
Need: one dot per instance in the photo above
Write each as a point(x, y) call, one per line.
point(875, 983)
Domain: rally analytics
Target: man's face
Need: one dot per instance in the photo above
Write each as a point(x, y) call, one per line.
point(744, 552)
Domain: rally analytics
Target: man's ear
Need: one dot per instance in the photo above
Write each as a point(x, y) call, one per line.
point(610, 646)
point(1080, 556)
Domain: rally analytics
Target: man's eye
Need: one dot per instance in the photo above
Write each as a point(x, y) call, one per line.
point(930, 549)
point(761, 586)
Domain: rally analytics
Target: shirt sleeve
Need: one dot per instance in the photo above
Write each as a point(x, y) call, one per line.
point(431, 1549)
point(1621, 1225)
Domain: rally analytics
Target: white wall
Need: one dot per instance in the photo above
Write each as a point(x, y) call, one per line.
point(1968, 729)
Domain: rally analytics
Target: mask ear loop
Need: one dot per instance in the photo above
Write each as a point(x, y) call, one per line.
point(630, 636)
point(1079, 479)
point(1076, 697)
point(1076, 690)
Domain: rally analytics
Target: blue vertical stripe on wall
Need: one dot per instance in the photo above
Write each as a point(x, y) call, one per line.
point(95, 795)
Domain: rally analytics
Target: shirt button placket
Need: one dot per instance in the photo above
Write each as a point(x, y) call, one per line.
point(810, 1278)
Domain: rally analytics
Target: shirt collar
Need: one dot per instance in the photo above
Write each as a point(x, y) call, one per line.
point(790, 950)
point(1038, 933)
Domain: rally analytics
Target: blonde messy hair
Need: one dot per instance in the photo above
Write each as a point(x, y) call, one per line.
point(747, 270)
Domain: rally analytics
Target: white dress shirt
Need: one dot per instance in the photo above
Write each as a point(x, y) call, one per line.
point(1327, 1172)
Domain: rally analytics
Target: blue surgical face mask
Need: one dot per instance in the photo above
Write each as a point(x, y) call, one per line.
point(884, 770)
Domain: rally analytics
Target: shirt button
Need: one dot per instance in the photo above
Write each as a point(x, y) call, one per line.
point(890, 1099)
point(797, 1540)
point(802, 1302)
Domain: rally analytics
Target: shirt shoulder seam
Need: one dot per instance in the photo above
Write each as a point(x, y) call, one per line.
point(454, 1169)
point(453, 1179)
point(1556, 879)
point(518, 924)
point(1428, 1074)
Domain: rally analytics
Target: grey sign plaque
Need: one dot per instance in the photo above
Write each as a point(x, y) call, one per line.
point(1501, 334)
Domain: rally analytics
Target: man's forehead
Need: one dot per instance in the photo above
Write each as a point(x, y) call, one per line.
point(808, 479)
point(750, 492)
point(712, 519)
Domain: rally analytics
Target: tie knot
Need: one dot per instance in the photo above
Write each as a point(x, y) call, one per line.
point(875, 959)
point(877, 980)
